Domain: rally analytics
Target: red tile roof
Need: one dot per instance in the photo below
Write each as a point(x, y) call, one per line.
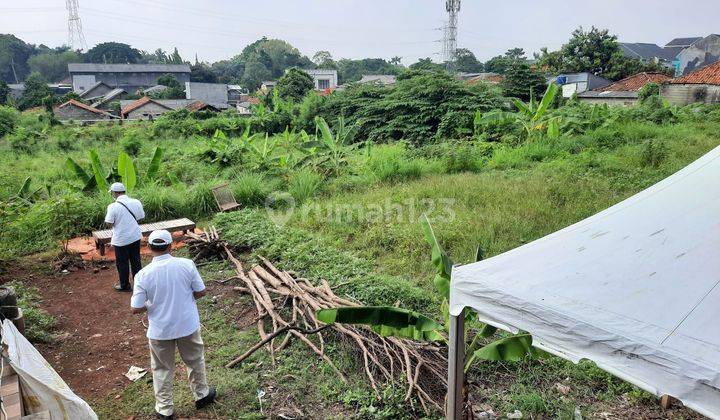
point(708, 75)
point(199, 106)
point(83, 106)
point(137, 104)
point(635, 82)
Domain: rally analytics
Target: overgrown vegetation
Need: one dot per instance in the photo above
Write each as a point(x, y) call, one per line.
point(334, 188)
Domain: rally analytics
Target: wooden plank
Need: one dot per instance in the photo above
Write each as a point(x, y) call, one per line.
point(456, 367)
point(105, 236)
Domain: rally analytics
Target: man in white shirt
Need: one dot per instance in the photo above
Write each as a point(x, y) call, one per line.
point(167, 288)
point(122, 216)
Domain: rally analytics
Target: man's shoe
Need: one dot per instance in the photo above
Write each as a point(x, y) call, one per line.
point(164, 417)
point(122, 289)
point(206, 400)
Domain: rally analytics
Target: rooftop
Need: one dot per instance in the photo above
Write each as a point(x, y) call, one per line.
point(635, 82)
point(683, 42)
point(79, 104)
point(647, 51)
point(708, 75)
point(127, 68)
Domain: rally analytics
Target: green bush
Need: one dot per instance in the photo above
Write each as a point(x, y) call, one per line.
point(251, 189)
point(303, 185)
point(8, 120)
point(131, 142)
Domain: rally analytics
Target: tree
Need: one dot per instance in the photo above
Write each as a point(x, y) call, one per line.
point(295, 84)
point(174, 91)
point(4, 92)
point(465, 61)
point(324, 60)
point(228, 71)
point(396, 60)
point(255, 73)
point(201, 72)
point(14, 54)
point(427, 64)
point(175, 58)
point(353, 70)
point(275, 54)
point(521, 81)
point(53, 64)
point(113, 53)
point(36, 92)
point(499, 64)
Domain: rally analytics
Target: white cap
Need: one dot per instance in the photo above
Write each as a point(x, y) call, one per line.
point(117, 187)
point(160, 237)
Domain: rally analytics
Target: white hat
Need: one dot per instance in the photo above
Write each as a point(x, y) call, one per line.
point(160, 237)
point(117, 187)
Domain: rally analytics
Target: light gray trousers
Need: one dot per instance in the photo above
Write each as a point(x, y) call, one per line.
point(162, 362)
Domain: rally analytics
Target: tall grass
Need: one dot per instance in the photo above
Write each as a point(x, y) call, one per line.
point(304, 184)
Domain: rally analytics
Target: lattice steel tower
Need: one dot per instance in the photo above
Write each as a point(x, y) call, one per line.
point(450, 32)
point(76, 38)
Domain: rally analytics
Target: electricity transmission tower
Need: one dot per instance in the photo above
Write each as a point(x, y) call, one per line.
point(450, 32)
point(76, 38)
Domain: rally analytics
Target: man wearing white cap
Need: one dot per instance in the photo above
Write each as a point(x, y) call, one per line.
point(167, 289)
point(123, 216)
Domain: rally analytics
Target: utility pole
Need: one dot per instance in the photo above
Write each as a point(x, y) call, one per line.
point(76, 38)
point(12, 64)
point(450, 33)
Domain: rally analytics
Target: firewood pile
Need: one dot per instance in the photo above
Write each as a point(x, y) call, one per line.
point(286, 308)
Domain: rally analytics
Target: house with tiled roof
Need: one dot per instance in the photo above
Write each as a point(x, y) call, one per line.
point(700, 86)
point(700, 53)
point(624, 92)
point(144, 108)
point(73, 110)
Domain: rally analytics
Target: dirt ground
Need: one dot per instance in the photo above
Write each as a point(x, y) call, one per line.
point(100, 337)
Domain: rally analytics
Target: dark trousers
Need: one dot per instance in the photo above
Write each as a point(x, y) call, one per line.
point(127, 258)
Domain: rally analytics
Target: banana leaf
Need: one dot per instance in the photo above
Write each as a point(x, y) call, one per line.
point(98, 171)
point(324, 128)
point(510, 349)
point(442, 263)
point(155, 163)
point(386, 321)
point(546, 100)
point(24, 189)
point(87, 179)
point(126, 169)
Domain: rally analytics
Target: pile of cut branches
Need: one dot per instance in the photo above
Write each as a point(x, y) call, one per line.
point(286, 309)
point(205, 246)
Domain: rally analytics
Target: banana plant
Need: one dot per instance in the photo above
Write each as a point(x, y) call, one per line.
point(531, 116)
point(405, 323)
point(331, 148)
point(98, 177)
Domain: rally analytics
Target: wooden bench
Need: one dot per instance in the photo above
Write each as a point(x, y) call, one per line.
point(225, 198)
point(103, 237)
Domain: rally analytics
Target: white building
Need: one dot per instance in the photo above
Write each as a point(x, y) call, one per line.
point(323, 78)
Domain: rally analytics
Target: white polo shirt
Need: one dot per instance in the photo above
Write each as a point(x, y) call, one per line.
point(165, 287)
point(126, 229)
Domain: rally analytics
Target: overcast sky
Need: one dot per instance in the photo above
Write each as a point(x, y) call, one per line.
point(219, 29)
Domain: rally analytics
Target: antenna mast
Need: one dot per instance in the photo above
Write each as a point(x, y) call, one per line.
point(450, 33)
point(76, 38)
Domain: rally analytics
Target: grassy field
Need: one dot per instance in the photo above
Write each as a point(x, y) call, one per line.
point(356, 226)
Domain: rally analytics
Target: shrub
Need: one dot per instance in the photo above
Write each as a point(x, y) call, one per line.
point(250, 189)
point(654, 153)
point(648, 91)
point(24, 140)
point(303, 185)
point(131, 142)
point(8, 120)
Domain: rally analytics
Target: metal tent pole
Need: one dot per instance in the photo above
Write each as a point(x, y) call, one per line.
point(456, 367)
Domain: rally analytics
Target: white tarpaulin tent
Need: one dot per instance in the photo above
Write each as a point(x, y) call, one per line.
point(633, 288)
point(42, 388)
